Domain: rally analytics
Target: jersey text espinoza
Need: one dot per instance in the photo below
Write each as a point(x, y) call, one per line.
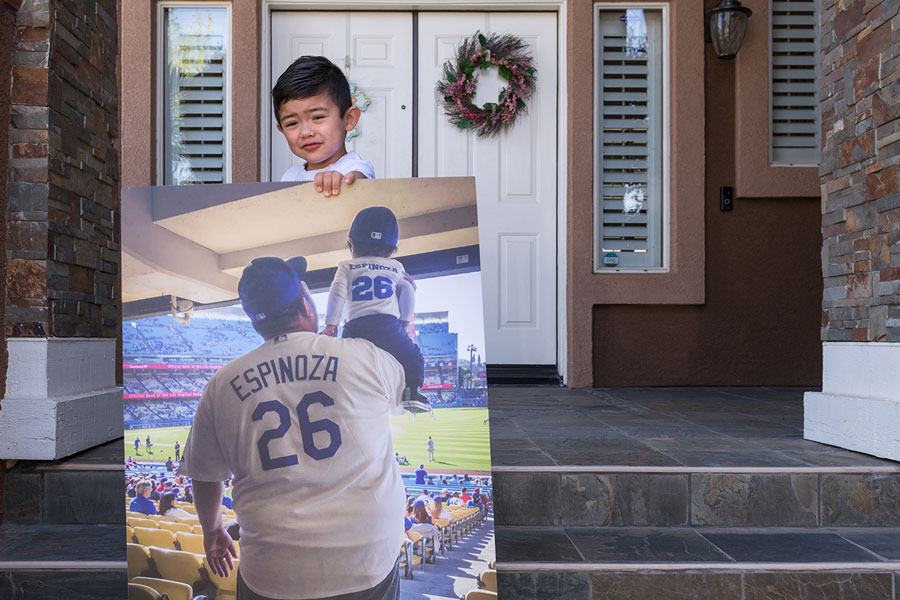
point(318, 367)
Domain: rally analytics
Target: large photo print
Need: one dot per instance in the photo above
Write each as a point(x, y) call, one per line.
point(305, 389)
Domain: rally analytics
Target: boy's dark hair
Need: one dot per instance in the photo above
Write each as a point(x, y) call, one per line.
point(308, 76)
point(367, 247)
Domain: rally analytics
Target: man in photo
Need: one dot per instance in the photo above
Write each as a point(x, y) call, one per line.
point(289, 422)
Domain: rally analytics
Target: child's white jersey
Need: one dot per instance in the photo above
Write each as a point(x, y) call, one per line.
point(370, 285)
point(345, 164)
point(302, 423)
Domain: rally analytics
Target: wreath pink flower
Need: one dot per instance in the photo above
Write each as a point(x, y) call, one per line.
point(509, 55)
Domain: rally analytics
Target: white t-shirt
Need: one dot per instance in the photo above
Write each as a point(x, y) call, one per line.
point(345, 164)
point(370, 285)
point(302, 423)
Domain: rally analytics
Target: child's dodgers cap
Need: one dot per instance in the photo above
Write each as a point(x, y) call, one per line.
point(375, 223)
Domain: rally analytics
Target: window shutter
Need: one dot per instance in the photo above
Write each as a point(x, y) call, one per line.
point(629, 100)
point(794, 85)
point(195, 123)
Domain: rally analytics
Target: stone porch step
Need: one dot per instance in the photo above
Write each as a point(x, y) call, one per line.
point(581, 563)
point(80, 489)
point(52, 561)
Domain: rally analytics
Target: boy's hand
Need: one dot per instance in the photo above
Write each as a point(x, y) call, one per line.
point(409, 278)
point(328, 183)
point(330, 330)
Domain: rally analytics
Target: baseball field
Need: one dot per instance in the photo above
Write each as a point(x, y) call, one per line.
point(461, 441)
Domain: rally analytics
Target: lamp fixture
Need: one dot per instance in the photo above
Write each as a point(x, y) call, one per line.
point(726, 25)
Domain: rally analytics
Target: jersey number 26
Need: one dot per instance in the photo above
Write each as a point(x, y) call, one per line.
point(364, 288)
point(307, 430)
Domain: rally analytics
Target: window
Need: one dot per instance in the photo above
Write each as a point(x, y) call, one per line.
point(629, 139)
point(194, 117)
point(794, 86)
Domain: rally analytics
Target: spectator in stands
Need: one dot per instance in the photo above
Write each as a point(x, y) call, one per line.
point(168, 507)
point(177, 450)
point(142, 502)
point(169, 464)
point(464, 496)
point(438, 511)
point(188, 494)
point(421, 474)
point(129, 462)
point(423, 525)
point(454, 500)
point(130, 491)
point(430, 480)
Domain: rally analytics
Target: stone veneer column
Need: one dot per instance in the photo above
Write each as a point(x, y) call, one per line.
point(62, 231)
point(859, 406)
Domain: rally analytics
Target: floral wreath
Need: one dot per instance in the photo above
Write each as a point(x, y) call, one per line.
point(510, 55)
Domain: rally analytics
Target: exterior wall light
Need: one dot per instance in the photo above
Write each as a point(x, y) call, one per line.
point(726, 25)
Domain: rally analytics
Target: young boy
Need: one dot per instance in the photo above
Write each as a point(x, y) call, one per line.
point(314, 111)
point(380, 301)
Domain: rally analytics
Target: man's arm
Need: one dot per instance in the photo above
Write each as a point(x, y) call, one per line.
point(216, 541)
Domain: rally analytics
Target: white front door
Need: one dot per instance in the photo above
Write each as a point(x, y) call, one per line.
point(515, 172)
point(378, 47)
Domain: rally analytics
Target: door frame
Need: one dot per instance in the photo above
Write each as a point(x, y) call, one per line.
point(557, 6)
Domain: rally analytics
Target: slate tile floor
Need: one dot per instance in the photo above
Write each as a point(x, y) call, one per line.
point(697, 427)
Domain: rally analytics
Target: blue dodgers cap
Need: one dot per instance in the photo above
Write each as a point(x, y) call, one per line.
point(376, 223)
point(268, 286)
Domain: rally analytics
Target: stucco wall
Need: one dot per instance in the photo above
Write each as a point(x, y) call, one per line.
point(741, 303)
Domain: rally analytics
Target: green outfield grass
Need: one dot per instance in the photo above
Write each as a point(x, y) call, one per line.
point(461, 440)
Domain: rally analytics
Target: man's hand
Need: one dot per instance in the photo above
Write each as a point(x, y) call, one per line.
point(219, 550)
point(330, 330)
point(328, 183)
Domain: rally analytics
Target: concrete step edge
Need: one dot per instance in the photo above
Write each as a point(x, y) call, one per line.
point(63, 565)
point(881, 567)
point(682, 469)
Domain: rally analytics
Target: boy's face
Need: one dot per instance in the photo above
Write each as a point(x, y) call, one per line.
point(315, 129)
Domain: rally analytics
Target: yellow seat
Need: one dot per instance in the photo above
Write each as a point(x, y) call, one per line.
point(137, 591)
point(175, 590)
point(162, 538)
point(138, 561)
point(135, 522)
point(190, 542)
point(197, 529)
point(187, 507)
point(488, 580)
point(175, 527)
point(180, 566)
point(226, 586)
point(481, 595)
point(129, 534)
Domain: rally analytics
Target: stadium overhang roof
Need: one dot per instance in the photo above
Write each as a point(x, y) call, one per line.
point(193, 241)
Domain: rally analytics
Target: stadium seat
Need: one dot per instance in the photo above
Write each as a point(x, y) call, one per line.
point(180, 566)
point(446, 530)
point(129, 534)
point(197, 529)
point(190, 542)
point(481, 595)
point(161, 538)
point(187, 507)
point(488, 580)
point(138, 561)
point(137, 591)
point(175, 590)
point(135, 522)
point(226, 587)
point(175, 527)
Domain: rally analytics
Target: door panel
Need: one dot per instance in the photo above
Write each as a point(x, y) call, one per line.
point(515, 175)
point(379, 46)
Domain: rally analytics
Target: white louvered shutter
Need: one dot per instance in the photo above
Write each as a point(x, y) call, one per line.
point(195, 124)
point(794, 85)
point(629, 208)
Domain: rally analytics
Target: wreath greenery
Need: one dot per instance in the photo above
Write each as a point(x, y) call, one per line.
point(509, 54)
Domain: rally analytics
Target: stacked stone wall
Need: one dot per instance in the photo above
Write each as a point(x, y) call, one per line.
point(63, 190)
point(860, 169)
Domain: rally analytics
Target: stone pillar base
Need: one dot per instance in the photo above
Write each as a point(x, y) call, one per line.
point(859, 405)
point(61, 397)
